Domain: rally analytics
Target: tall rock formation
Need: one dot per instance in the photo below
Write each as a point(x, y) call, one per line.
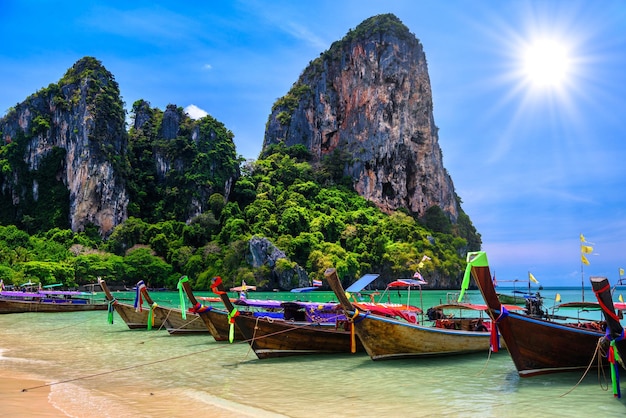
point(178, 163)
point(367, 101)
point(61, 158)
point(67, 160)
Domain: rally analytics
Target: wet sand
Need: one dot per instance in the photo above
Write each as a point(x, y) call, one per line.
point(26, 396)
point(18, 403)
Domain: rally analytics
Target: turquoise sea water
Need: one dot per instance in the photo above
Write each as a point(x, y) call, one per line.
point(97, 369)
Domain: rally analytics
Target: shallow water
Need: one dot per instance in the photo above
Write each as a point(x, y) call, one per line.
point(100, 370)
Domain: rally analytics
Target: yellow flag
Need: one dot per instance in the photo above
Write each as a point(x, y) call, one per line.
point(621, 272)
point(582, 238)
point(621, 299)
point(558, 297)
point(532, 278)
point(586, 249)
point(584, 260)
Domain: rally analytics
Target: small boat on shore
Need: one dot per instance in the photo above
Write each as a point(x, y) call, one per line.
point(536, 345)
point(272, 337)
point(386, 337)
point(13, 301)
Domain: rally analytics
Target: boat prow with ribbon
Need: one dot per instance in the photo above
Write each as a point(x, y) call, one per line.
point(390, 335)
point(536, 345)
point(614, 331)
point(135, 316)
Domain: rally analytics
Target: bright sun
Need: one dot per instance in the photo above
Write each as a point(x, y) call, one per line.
point(546, 63)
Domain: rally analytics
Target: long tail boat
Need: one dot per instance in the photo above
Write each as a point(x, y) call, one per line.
point(135, 316)
point(176, 321)
point(214, 319)
point(274, 337)
point(386, 337)
point(48, 301)
point(536, 345)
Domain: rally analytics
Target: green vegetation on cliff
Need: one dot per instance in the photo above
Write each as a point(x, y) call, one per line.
point(174, 172)
point(280, 197)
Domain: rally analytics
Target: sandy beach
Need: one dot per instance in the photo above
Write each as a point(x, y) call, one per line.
point(19, 403)
point(26, 396)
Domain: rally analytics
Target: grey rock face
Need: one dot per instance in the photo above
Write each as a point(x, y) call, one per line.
point(369, 98)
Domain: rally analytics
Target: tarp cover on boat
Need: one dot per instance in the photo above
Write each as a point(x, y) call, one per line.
point(362, 283)
point(406, 283)
point(409, 313)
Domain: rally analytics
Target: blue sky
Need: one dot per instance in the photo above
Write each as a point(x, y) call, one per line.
point(535, 164)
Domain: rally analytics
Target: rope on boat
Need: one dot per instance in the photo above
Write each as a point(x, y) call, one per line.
point(486, 364)
point(68, 326)
point(600, 370)
point(121, 369)
point(254, 337)
point(256, 327)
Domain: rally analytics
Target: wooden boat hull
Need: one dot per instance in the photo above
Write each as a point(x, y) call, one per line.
point(271, 337)
point(134, 319)
point(23, 306)
point(540, 347)
point(172, 320)
point(217, 321)
point(537, 346)
point(279, 338)
point(388, 338)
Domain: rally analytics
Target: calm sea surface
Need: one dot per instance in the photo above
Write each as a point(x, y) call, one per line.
point(96, 369)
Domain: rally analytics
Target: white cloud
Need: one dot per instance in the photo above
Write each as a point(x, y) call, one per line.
point(195, 112)
point(207, 66)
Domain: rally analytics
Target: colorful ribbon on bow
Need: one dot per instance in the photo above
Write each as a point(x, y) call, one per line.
point(199, 308)
point(110, 311)
point(231, 320)
point(474, 259)
point(352, 332)
point(182, 296)
point(614, 359)
point(494, 338)
point(151, 316)
point(215, 283)
point(138, 295)
point(613, 354)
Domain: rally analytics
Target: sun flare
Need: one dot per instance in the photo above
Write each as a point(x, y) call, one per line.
point(546, 63)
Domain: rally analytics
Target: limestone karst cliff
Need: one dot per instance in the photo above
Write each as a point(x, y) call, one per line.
point(62, 166)
point(367, 100)
point(67, 160)
point(177, 163)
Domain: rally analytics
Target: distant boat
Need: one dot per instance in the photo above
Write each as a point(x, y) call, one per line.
point(515, 299)
point(12, 301)
point(538, 346)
